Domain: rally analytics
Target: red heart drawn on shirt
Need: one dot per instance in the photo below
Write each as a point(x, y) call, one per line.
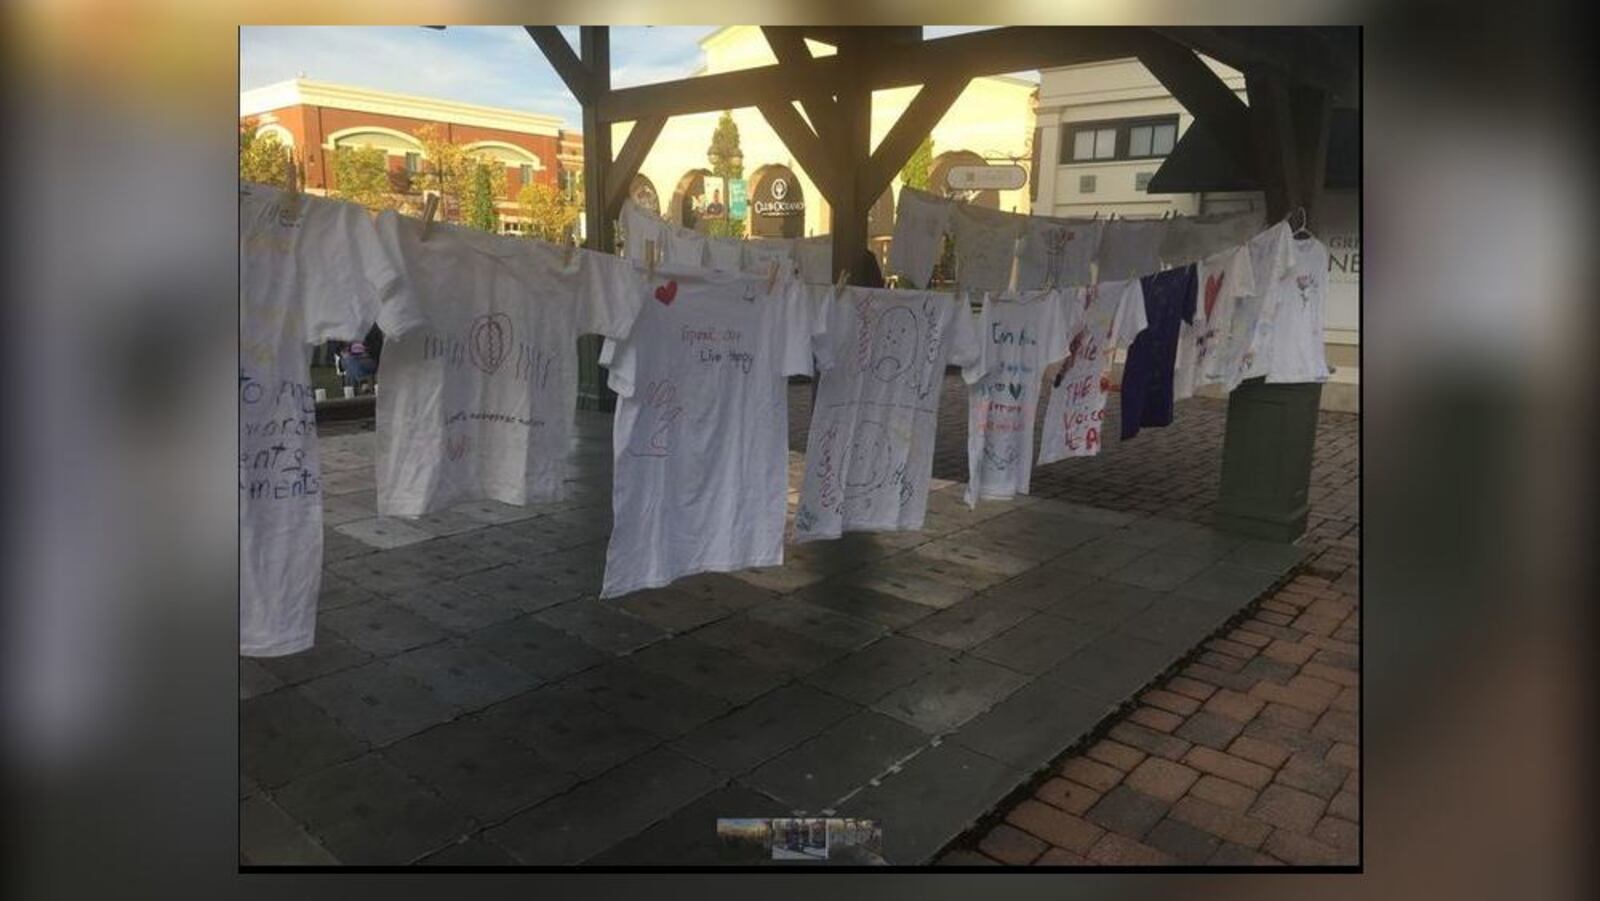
point(1213, 288)
point(667, 292)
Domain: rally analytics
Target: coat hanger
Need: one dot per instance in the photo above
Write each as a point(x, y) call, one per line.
point(1302, 231)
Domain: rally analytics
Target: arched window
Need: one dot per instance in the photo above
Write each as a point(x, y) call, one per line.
point(390, 141)
point(284, 136)
point(509, 155)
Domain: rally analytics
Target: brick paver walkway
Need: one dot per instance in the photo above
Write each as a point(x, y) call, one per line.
point(1249, 753)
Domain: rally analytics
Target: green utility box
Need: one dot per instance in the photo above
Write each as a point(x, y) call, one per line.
point(1266, 460)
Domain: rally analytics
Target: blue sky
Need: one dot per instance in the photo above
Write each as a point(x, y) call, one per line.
point(491, 65)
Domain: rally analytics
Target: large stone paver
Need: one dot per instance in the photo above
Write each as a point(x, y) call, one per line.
point(470, 702)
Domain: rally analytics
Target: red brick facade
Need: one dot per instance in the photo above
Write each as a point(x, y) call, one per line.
point(311, 125)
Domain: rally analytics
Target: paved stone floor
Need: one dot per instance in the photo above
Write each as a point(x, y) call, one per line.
point(470, 702)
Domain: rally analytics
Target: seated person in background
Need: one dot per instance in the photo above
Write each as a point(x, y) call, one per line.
point(358, 367)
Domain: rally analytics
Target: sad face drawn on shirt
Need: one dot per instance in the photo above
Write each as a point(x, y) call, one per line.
point(894, 343)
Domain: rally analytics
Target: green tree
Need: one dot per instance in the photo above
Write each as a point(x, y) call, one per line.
point(548, 212)
point(727, 162)
point(447, 168)
point(260, 156)
point(361, 175)
point(480, 202)
point(915, 172)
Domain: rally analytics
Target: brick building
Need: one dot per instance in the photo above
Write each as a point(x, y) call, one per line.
point(314, 118)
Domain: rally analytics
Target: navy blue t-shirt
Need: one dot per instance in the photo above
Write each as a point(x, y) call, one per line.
point(1169, 301)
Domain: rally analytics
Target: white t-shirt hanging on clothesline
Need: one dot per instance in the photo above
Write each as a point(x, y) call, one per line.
point(1240, 349)
point(869, 453)
point(725, 254)
point(1221, 280)
point(761, 253)
point(986, 243)
point(702, 430)
point(685, 247)
point(1057, 253)
point(815, 258)
point(1113, 315)
point(310, 271)
point(640, 226)
point(479, 404)
point(1020, 335)
point(1190, 239)
point(1297, 352)
point(920, 221)
point(1131, 248)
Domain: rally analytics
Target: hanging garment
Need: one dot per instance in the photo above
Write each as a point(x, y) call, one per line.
point(640, 227)
point(920, 222)
point(1240, 350)
point(869, 454)
point(815, 258)
point(761, 253)
point(1113, 316)
point(686, 247)
point(1190, 239)
point(1220, 280)
point(725, 254)
point(1147, 391)
point(986, 243)
point(311, 270)
point(1130, 248)
point(1057, 253)
point(478, 405)
point(1019, 336)
point(701, 440)
point(1298, 352)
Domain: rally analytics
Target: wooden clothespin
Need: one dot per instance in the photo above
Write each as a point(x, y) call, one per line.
point(772, 277)
point(1095, 216)
point(566, 255)
point(650, 261)
point(430, 208)
point(841, 281)
point(1016, 264)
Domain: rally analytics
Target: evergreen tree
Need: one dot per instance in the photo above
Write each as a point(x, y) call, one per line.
point(480, 203)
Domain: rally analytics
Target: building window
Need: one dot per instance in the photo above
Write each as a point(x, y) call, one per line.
point(1086, 184)
point(413, 163)
point(1141, 181)
point(527, 174)
point(1125, 139)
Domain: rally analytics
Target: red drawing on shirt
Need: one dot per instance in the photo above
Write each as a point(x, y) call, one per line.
point(1213, 288)
point(667, 292)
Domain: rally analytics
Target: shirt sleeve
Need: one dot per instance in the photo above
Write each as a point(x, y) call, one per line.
point(344, 271)
point(621, 359)
point(803, 324)
point(399, 310)
point(964, 348)
point(1189, 301)
point(826, 309)
point(610, 293)
point(1131, 319)
point(1061, 324)
point(1241, 273)
point(985, 360)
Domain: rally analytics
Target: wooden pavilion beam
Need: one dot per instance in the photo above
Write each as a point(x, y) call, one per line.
point(975, 54)
point(1200, 90)
point(789, 46)
point(808, 149)
point(629, 159)
point(915, 123)
point(566, 63)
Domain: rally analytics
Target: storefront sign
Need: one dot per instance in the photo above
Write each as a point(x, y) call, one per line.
point(738, 202)
point(986, 178)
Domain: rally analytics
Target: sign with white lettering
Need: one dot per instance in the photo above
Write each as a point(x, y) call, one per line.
point(986, 178)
